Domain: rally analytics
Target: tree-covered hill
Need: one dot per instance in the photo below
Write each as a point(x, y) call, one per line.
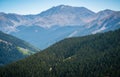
point(12, 49)
point(90, 56)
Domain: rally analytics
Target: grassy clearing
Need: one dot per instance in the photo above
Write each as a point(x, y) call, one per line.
point(24, 51)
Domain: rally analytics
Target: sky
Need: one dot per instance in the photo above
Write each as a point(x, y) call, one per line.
point(36, 6)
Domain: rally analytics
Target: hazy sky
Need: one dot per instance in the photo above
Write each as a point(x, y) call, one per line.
point(36, 6)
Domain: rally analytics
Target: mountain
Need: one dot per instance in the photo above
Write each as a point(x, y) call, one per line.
point(65, 15)
point(109, 22)
point(57, 23)
point(59, 15)
point(89, 56)
point(65, 9)
point(9, 22)
point(13, 49)
point(104, 13)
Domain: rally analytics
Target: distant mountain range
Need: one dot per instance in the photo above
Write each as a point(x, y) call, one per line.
point(13, 49)
point(57, 23)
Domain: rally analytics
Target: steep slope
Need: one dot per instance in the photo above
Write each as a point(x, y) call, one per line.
point(9, 22)
point(12, 49)
point(104, 13)
point(90, 56)
point(107, 23)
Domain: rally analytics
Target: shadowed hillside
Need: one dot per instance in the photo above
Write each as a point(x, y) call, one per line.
point(12, 49)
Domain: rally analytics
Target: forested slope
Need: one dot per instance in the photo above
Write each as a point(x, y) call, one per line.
point(90, 56)
point(13, 49)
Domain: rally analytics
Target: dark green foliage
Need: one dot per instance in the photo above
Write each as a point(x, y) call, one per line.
point(9, 51)
point(90, 56)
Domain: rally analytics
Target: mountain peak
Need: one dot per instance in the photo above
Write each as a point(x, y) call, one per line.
point(68, 6)
point(66, 9)
point(106, 11)
point(62, 6)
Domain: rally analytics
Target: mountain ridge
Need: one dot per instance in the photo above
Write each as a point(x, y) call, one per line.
point(53, 22)
point(39, 20)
